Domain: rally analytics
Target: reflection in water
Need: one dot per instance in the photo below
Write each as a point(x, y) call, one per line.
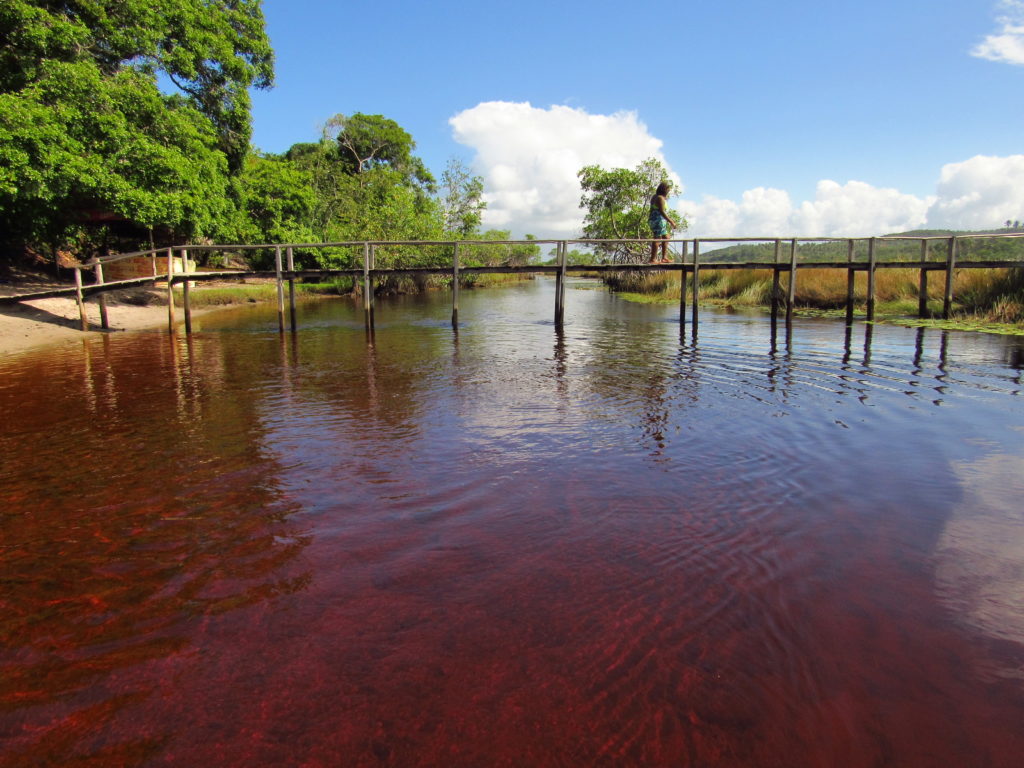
point(122, 559)
point(512, 543)
point(980, 555)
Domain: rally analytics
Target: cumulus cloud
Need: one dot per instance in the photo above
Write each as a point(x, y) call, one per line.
point(1007, 44)
point(978, 193)
point(529, 158)
point(838, 210)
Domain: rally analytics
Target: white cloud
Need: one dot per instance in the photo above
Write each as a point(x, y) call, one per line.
point(978, 193)
point(529, 158)
point(1007, 45)
point(850, 209)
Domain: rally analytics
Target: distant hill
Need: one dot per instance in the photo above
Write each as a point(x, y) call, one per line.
point(1009, 249)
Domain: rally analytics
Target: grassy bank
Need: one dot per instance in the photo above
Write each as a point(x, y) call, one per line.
point(250, 293)
point(989, 296)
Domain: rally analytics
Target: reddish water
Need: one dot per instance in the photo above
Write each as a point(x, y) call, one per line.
point(511, 547)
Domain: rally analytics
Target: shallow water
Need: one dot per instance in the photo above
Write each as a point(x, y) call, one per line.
point(617, 545)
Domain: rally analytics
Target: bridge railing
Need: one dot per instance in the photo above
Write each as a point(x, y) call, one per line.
point(928, 253)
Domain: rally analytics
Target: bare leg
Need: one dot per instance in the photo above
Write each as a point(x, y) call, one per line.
point(654, 252)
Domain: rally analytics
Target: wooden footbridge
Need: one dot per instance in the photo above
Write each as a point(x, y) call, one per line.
point(785, 261)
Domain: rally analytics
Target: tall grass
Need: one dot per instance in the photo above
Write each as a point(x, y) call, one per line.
point(224, 295)
point(988, 295)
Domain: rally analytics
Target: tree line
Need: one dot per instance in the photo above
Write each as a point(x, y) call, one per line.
point(128, 122)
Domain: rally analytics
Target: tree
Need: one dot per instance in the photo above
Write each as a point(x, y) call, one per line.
point(462, 205)
point(617, 204)
point(369, 142)
point(499, 253)
point(278, 200)
point(368, 186)
point(573, 257)
point(85, 127)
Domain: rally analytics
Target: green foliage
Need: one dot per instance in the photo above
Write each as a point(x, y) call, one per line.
point(373, 142)
point(278, 201)
point(617, 204)
point(462, 202)
point(85, 129)
point(499, 254)
point(573, 257)
point(365, 184)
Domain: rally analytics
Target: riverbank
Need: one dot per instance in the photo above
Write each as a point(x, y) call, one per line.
point(46, 322)
point(53, 321)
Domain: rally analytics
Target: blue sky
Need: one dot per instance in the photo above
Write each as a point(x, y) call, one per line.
point(806, 118)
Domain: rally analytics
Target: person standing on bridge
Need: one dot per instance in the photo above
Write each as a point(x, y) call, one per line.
point(660, 222)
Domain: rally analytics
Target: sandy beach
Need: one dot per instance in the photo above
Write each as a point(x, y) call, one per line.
point(44, 322)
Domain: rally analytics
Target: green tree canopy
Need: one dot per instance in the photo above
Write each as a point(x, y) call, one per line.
point(84, 125)
point(462, 204)
point(370, 142)
point(617, 204)
point(368, 185)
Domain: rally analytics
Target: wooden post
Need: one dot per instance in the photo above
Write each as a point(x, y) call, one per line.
point(83, 318)
point(186, 296)
point(558, 286)
point(455, 285)
point(947, 299)
point(561, 289)
point(696, 282)
point(170, 290)
point(682, 287)
point(775, 283)
point(791, 290)
point(372, 292)
point(290, 263)
point(922, 288)
point(280, 288)
point(367, 320)
point(851, 276)
point(102, 298)
point(871, 279)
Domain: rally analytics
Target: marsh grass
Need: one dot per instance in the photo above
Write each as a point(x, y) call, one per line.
point(252, 293)
point(225, 295)
point(980, 295)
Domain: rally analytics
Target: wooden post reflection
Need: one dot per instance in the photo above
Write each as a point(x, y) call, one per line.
point(186, 295)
